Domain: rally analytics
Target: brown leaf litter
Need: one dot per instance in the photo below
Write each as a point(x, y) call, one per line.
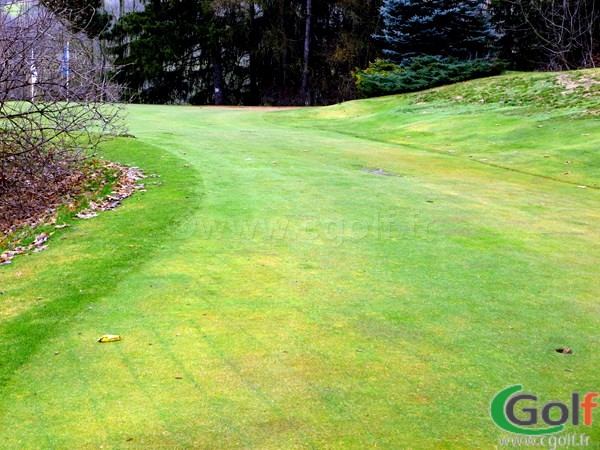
point(125, 185)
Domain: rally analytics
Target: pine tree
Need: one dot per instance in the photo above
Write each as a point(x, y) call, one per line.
point(159, 50)
point(244, 52)
point(82, 15)
point(415, 28)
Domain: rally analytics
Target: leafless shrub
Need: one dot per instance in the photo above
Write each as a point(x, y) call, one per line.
point(56, 105)
point(566, 30)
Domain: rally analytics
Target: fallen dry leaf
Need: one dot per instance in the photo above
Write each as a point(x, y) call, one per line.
point(86, 215)
point(40, 239)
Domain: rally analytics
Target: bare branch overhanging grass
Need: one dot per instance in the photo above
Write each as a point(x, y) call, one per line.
point(57, 105)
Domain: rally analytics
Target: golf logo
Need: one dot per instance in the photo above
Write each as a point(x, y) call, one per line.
point(511, 411)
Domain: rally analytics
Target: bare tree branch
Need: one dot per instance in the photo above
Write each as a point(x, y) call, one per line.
point(56, 103)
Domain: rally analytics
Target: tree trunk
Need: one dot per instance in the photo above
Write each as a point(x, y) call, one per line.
point(217, 75)
point(304, 91)
point(254, 96)
point(283, 62)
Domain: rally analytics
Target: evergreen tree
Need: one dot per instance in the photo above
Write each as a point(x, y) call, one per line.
point(159, 50)
point(436, 27)
point(82, 15)
point(239, 51)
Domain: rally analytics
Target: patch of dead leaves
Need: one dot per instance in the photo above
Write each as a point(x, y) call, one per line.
point(126, 184)
point(38, 245)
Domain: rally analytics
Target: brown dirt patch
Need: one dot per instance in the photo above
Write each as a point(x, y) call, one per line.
point(571, 84)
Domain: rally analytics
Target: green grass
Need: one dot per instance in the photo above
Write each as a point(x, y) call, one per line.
point(534, 123)
point(304, 301)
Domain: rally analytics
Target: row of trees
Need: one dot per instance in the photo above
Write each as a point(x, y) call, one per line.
point(263, 51)
point(305, 51)
point(530, 34)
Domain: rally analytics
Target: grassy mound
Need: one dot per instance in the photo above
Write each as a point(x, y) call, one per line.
point(577, 90)
point(542, 124)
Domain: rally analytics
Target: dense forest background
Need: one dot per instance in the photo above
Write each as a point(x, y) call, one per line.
point(305, 52)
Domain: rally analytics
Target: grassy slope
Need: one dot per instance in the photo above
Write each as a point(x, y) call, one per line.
point(528, 122)
point(304, 301)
